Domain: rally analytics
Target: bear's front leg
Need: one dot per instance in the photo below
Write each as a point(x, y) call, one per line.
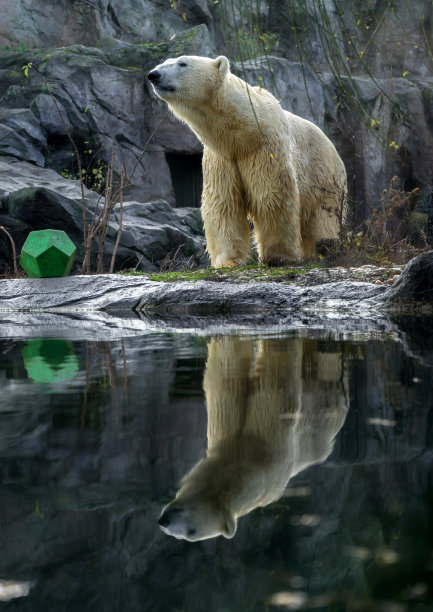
point(274, 206)
point(224, 213)
point(278, 241)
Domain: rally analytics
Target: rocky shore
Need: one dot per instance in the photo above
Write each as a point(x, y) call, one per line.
point(316, 290)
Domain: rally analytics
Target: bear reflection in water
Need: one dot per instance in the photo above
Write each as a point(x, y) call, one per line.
point(274, 408)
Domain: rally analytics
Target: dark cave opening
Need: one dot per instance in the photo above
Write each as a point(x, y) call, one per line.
point(187, 178)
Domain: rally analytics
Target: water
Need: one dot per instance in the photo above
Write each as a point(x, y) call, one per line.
point(322, 446)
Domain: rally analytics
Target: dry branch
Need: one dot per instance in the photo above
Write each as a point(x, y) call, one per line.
point(14, 251)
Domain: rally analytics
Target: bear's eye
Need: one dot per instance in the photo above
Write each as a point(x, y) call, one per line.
point(182, 64)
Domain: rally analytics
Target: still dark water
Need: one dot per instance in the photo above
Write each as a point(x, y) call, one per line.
point(316, 491)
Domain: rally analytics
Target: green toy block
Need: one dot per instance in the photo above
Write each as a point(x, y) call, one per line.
point(47, 253)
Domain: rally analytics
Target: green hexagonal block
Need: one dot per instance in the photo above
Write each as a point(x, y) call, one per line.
point(47, 253)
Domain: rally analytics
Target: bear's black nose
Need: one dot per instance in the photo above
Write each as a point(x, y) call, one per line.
point(154, 76)
point(164, 520)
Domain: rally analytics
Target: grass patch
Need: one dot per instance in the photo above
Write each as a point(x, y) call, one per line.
point(257, 272)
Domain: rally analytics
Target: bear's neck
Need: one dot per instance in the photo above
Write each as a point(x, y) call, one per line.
point(239, 474)
point(227, 123)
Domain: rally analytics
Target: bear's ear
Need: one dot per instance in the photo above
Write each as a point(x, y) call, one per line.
point(223, 65)
point(229, 528)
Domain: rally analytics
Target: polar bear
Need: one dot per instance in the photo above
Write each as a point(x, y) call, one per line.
point(261, 164)
point(274, 408)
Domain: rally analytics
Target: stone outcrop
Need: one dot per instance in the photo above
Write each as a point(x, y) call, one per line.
point(263, 301)
point(414, 288)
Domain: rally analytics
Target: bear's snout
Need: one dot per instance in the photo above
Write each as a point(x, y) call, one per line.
point(169, 516)
point(154, 76)
point(176, 522)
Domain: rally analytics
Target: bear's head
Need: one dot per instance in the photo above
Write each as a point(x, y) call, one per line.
point(188, 78)
point(196, 520)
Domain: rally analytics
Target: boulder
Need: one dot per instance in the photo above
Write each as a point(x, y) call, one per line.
point(414, 288)
point(399, 144)
point(21, 135)
point(153, 233)
point(200, 298)
point(355, 303)
point(16, 174)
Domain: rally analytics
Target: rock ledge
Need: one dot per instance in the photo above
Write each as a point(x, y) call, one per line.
point(115, 293)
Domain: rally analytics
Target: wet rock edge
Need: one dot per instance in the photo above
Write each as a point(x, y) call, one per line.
point(411, 293)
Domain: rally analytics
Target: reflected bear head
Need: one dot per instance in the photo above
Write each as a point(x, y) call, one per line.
point(274, 408)
point(196, 521)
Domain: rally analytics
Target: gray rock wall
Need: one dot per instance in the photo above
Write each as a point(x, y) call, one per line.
point(60, 23)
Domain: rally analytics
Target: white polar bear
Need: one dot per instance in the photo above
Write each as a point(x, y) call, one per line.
point(274, 408)
point(260, 164)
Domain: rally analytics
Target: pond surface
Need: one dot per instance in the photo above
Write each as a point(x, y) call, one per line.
point(316, 491)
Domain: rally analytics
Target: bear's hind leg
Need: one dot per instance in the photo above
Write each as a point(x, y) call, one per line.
point(225, 221)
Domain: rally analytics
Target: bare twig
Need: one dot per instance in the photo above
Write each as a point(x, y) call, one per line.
point(119, 231)
point(137, 264)
point(169, 262)
point(109, 203)
point(14, 251)
point(382, 235)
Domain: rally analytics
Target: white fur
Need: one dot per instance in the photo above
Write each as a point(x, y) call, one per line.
point(260, 163)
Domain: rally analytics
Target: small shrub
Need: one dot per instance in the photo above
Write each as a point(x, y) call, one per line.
point(383, 237)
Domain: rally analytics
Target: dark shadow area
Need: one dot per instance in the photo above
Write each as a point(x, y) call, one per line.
point(187, 177)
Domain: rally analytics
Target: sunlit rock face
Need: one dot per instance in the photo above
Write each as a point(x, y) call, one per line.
point(274, 408)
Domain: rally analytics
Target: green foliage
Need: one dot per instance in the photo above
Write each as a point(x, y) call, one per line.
point(252, 43)
point(67, 174)
point(178, 7)
point(22, 47)
point(250, 40)
point(38, 510)
point(26, 69)
point(93, 175)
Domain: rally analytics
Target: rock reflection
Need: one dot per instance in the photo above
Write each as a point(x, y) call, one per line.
point(274, 408)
